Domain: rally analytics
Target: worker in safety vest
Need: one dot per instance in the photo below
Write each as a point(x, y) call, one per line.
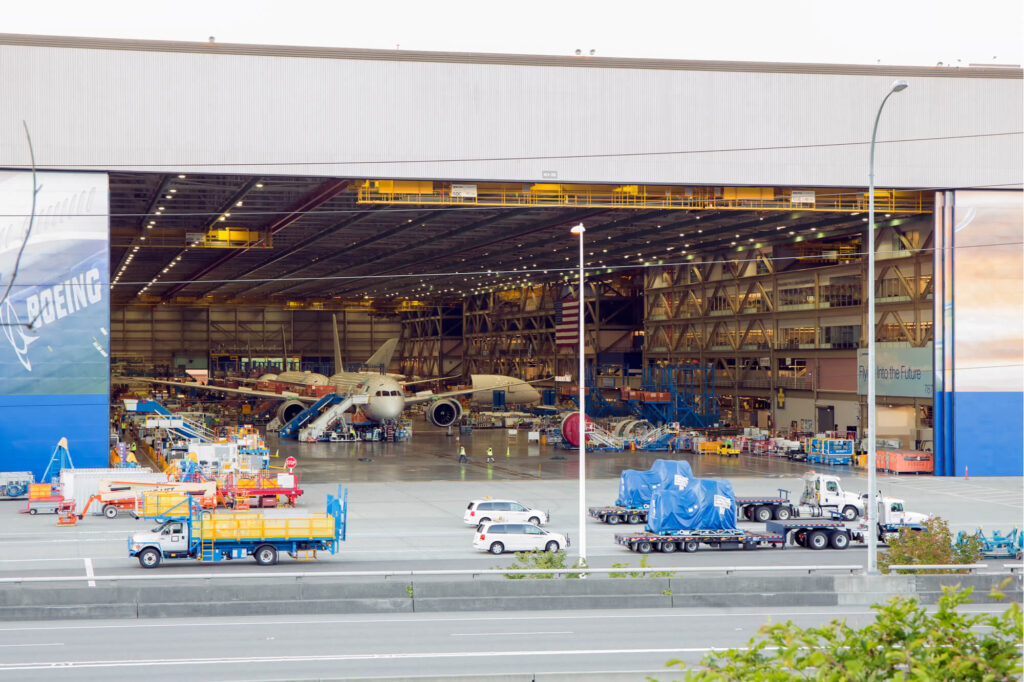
point(133, 447)
point(490, 454)
point(462, 455)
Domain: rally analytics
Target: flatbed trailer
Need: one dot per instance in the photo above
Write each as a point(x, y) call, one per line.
point(757, 508)
point(615, 514)
point(812, 533)
point(646, 542)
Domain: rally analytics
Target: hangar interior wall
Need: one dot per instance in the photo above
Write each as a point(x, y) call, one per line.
point(171, 336)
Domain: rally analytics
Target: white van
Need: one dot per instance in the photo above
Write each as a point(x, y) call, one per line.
point(517, 537)
point(482, 511)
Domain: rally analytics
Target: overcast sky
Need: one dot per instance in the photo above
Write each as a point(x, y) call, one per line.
point(864, 32)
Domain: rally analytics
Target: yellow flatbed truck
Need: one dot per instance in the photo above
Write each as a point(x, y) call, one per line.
point(186, 531)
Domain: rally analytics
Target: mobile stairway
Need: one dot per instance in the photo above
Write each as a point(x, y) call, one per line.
point(291, 429)
point(185, 428)
point(318, 428)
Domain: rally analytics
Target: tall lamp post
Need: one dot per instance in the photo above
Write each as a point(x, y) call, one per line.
point(581, 325)
point(872, 509)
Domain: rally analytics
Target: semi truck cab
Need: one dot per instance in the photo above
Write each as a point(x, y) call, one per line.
point(825, 491)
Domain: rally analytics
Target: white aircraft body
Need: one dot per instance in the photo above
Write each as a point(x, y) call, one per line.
point(386, 399)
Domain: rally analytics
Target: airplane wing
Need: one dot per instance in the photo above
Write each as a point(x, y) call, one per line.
point(236, 391)
point(412, 400)
point(424, 381)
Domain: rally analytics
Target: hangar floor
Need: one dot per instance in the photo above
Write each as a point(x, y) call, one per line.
point(432, 455)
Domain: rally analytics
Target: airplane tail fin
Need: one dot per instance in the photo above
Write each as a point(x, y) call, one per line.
point(338, 367)
point(383, 355)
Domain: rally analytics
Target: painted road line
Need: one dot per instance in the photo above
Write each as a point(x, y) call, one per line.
point(506, 634)
point(88, 571)
point(41, 644)
point(327, 658)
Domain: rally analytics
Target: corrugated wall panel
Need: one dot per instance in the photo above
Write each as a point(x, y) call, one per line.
point(150, 110)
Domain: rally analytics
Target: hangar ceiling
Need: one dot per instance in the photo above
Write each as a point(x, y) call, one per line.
point(180, 238)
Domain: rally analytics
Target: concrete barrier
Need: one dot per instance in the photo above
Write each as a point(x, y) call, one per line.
point(203, 598)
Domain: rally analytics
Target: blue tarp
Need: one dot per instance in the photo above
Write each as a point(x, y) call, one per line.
point(636, 487)
point(705, 503)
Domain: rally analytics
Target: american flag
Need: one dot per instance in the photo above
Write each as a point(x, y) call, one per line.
point(567, 323)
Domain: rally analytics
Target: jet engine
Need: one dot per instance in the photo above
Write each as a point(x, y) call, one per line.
point(288, 410)
point(444, 412)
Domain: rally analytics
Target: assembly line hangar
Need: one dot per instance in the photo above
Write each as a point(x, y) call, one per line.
point(320, 179)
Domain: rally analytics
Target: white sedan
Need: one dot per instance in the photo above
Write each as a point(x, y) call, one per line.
point(482, 511)
point(517, 537)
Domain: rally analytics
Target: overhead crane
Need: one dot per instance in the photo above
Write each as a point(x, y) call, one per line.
point(427, 193)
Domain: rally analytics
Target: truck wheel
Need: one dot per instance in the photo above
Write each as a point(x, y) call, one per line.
point(850, 513)
point(817, 540)
point(265, 555)
point(634, 518)
point(782, 513)
point(839, 540)
point(110, 511)
point(644, 547)
point(33, 511)
point(690, 546)
point(762, 514)
point(551, 547)
point(668, 547)
point(612, 519)
point(497, 548)
point(149, 558)
point(534, 520)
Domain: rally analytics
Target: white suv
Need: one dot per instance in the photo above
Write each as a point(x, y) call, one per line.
point(517, 537)
point(482, 511)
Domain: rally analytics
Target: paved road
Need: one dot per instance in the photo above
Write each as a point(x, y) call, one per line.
point(418, 525)
point(265, 648)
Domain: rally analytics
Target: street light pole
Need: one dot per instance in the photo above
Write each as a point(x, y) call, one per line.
point(872, 508)
point(581, 326)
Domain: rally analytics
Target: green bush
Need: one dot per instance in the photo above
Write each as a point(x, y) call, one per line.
point(536, 560)
point(931, 546)
point(905, 642)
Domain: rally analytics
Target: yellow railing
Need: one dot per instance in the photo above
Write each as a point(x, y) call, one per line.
point(643, 197)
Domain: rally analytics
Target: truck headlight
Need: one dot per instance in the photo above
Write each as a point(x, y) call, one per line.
point(136, 547)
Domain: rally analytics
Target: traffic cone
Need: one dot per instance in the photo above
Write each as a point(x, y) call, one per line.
point(508, 452)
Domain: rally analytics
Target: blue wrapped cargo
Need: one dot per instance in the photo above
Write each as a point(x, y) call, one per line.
point(636, 487)
point(704, 504)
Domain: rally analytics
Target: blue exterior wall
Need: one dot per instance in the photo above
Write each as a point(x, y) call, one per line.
point(55, 341)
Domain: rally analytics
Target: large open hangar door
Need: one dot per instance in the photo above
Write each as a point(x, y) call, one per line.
point(241, 266)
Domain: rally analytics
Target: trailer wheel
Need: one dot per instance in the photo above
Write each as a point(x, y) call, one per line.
point(839, 540)
point(497, 548)
point(644, 547)
point(783, 513)
point(634, 518)
point(817, 540)
point(110, 511)
point(850, 513)
point(690, 546)
point(668, 547)
point(265, 555)
point(149, 558)
point(762, 514)
point(612, 519)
